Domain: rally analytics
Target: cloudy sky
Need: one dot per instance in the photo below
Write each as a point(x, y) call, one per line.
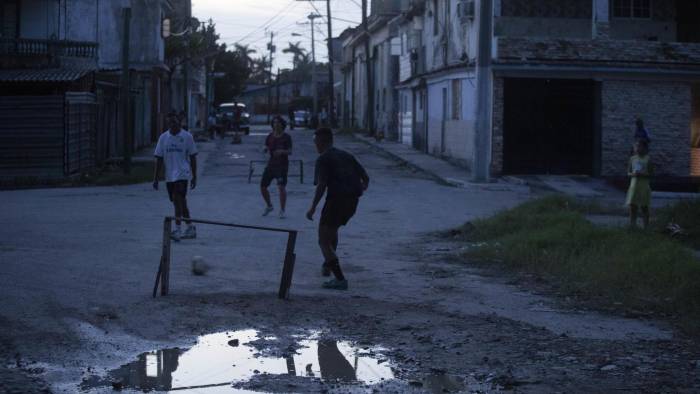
point(251, 21)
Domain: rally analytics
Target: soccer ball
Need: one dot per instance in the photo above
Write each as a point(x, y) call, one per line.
point(199, 267)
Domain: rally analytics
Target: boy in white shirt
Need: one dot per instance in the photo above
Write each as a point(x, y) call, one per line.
point(177, 151)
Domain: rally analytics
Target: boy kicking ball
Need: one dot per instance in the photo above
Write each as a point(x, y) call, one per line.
point(343, 180)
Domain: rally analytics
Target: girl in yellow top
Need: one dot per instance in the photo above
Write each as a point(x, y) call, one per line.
point(639, 192)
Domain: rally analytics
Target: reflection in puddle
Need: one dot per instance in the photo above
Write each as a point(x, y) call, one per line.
point(218, 360)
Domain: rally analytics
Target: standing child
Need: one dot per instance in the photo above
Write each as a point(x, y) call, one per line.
point(639, 192)
point(279, 145)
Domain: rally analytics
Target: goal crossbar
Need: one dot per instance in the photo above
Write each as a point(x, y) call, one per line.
point(163, 275)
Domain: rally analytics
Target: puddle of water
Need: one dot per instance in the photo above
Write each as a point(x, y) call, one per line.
point(233, 155)
point(222, 359)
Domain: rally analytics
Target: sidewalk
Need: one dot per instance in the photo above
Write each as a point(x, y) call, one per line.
point(442, 171)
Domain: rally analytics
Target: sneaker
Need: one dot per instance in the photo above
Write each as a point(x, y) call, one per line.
point(190, 233)
point(268, 210)
point(175, 235)
point(282, 215)
point(325, 270)
point(335, 284)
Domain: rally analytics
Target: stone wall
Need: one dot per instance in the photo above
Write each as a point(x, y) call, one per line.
point(666, 110)
point(497, 128)
point(596, 51)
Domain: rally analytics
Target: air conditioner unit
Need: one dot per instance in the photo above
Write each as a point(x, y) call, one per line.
point(466, 10)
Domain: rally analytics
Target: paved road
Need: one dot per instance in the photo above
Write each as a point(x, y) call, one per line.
point(78, 267)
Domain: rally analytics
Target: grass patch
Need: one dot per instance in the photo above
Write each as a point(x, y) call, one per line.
point(110, 175)
point(550, 236)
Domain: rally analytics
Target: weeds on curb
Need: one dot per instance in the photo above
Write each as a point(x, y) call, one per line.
point(644, 270)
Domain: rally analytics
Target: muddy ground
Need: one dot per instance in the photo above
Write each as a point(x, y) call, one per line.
point(78, 268)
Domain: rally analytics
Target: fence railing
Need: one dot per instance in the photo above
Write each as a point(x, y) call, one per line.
point(29, 47)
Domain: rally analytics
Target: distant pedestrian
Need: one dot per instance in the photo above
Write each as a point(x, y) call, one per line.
point(640, 132)
point(279, 145)
point(211, 125)
point(182, 118)
point(324, 118)
point(237, 113)
point(290, 115)
point(639, 192)
point(177, 152)
point(343, 180)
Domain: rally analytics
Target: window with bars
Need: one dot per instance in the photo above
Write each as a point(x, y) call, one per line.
point(8, 18)
point(632, 9)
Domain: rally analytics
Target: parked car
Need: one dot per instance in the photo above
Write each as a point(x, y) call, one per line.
point(226, 116)
point(302, 119)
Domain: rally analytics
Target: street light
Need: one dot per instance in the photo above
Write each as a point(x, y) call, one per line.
point(313, 67)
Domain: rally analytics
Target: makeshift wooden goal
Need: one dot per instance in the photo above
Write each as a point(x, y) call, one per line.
point(163, 275)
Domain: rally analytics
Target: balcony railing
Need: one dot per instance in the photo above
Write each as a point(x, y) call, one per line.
point(30, 47)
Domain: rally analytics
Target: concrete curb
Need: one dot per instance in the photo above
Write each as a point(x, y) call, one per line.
point(500, 185)
point(436, 177)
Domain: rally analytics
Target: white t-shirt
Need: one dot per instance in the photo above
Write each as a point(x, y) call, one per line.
point(176, 151)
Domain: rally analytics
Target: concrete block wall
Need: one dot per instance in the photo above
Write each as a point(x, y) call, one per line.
point(666, 110)
point(597, 51)
point(497, 128)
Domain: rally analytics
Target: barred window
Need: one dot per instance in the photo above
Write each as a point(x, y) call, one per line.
point(632, 9)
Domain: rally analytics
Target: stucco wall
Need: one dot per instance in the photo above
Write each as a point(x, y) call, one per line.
point(449, 137)
point(39, 19)
point(406, 116)
point(146, 45)
point(82, 23)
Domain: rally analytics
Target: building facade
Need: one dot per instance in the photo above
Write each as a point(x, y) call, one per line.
point(68, 54)
point(541, 86)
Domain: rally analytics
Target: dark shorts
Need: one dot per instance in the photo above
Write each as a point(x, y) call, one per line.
point(177, 187)
point(338, 211)
point(279, 174)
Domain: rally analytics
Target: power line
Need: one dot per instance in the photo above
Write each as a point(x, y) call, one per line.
point(268, 23)
point(280, 30)
point(344, 20)
point(317, 11)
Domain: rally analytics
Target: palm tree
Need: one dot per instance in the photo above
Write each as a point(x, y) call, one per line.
point(260, 70)
point(246, 53)
point(296, 50)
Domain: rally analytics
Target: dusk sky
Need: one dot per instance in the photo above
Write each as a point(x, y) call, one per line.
point(250, 22)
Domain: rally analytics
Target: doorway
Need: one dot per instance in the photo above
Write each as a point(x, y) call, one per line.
point(549, 126)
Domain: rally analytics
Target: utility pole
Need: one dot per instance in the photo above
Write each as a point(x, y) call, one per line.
point(368, 71)
point(314, 114)
point(271, 47)
point(484, 89)
point(126, 90)
point(331, 78)
point(186, 66)
point(277, 85)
